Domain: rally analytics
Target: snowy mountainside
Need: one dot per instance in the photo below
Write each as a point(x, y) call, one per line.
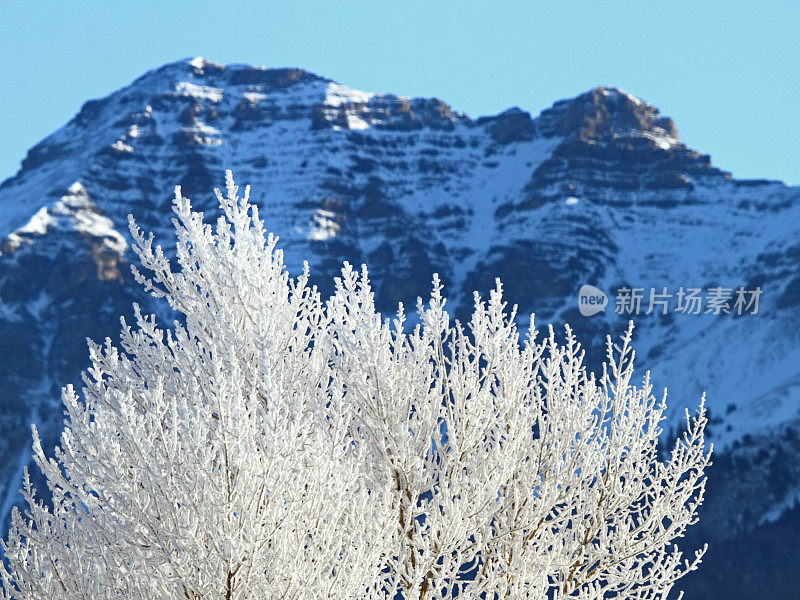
point(595, 190)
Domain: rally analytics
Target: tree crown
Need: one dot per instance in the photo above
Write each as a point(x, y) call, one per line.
point(275, 445)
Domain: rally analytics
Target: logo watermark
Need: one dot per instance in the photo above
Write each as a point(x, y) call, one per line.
point(684, 300)
point(591, 300)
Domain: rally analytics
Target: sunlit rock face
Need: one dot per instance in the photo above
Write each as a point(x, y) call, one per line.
point(595, 190)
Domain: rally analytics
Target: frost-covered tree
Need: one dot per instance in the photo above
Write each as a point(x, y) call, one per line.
point(276, 445)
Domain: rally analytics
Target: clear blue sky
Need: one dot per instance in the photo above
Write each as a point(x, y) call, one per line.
point(728, 73)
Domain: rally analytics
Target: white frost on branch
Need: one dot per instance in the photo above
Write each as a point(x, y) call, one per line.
point(279, 446)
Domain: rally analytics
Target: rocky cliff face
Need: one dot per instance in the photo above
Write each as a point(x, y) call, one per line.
point(595, 190)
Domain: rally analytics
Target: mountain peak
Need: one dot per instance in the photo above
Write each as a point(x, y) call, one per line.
point(199, 63)
point(203, 71)
point(608, 111)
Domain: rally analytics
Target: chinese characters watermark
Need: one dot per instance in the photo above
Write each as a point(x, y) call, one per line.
point(685, 300)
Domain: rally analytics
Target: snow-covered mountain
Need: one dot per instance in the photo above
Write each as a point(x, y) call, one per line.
point(595, 190)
